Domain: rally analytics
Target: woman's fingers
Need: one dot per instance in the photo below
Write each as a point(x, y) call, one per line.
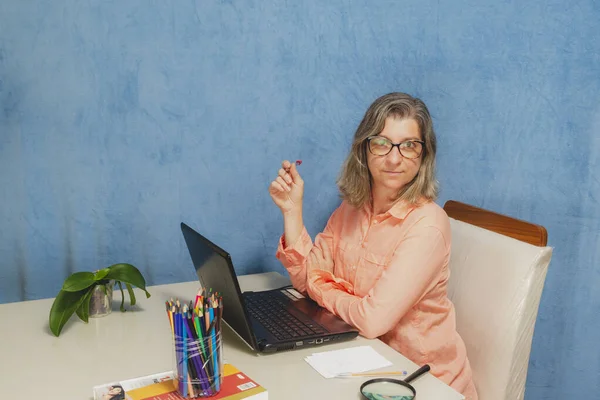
point(283, 184)
point(294, 173)
point(276, 186)
point(291, 170)
point(286, 177)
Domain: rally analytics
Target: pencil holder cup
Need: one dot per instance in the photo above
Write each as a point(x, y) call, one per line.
point(198, 359)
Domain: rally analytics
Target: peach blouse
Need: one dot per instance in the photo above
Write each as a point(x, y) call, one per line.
point(390, 282)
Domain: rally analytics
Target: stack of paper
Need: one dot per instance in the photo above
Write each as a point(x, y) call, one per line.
point(353, 360)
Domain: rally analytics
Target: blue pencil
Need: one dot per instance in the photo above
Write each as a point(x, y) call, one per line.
point(178, 349)
point(185, 357)
point(194, 354)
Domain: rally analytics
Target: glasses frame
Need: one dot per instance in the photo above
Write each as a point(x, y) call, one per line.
point(395, 145)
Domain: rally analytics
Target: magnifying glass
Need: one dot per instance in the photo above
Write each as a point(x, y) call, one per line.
point(391, 389)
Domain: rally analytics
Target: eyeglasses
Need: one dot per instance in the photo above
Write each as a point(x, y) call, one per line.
point(382, 146)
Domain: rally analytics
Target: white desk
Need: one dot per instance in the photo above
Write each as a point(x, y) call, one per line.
point(37, 365)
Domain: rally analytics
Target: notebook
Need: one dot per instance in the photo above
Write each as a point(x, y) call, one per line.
point(268, 321)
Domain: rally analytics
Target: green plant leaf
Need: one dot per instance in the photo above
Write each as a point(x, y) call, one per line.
point(122, 297)
point(127, 273)
point(78, 281)
point(101, 274)
point(131, 294)
point(63, 307)
point(83, 311)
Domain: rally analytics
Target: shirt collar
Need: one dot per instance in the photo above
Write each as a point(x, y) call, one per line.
point(399, 210)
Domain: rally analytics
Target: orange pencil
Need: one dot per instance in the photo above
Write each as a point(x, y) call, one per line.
point(170, 315)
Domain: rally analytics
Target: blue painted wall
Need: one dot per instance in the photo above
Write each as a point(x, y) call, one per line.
point(121, 119)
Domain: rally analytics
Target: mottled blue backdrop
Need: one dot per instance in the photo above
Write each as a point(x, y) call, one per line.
point(120, 119)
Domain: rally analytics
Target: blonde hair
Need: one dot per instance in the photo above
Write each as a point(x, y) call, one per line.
point(354, 181)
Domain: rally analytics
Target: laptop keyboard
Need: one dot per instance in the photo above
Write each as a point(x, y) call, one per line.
point(269, 309)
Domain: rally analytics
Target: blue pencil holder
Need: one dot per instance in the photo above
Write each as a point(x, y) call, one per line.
point(198, 355)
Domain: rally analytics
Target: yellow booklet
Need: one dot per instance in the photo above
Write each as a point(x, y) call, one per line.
point(236, 386)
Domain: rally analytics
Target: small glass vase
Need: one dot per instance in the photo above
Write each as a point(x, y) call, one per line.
point(101, 300)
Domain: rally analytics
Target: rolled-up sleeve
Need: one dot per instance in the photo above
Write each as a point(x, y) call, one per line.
point(294, 256)
point(413, 271)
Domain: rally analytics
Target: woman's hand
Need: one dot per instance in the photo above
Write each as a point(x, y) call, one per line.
point(320, 256)
point(287, 189)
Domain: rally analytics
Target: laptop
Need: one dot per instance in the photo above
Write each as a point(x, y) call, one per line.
point(268, 321)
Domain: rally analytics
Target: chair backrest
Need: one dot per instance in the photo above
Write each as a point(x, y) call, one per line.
point(495, 284)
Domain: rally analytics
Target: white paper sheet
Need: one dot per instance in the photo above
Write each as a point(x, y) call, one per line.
point(352, 360)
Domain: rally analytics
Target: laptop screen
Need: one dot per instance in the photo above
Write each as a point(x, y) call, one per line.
point(215, 271)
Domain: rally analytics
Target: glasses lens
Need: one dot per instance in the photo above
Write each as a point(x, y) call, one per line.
point(379, 146)
point(411, 149)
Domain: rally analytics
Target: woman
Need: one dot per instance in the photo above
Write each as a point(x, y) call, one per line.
point(115, 392)
point(381, 264)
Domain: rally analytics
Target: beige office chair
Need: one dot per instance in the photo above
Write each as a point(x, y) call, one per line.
point(497, 272)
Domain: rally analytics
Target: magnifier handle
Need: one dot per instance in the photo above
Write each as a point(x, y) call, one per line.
point(417, 373)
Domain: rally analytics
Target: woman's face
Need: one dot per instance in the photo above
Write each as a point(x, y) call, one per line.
point(115, 390)
point(391, 172)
